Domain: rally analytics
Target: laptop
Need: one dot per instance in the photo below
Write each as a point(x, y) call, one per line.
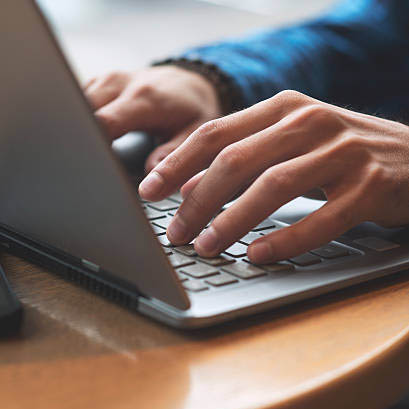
point(68, 204)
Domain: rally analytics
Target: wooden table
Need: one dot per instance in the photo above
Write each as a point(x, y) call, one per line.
point(77, 350)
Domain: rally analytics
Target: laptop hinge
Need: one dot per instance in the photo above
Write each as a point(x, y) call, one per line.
point(81, 271)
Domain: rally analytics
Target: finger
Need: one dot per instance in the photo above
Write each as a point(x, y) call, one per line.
point(315, 230)
point(99, 96)
point(88, 83)
point(239, 164)
point(191, 184)
point(275, 187)
point(198, 151)
point(162, 151)
point(124, 115)
point(101, 91)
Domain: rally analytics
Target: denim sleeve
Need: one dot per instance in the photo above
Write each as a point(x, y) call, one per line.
point(357, 55)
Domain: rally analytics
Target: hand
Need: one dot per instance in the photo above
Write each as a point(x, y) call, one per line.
point(167, 101)
point(284, 147)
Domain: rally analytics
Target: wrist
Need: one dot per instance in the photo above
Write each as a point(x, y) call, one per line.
point(213, 80)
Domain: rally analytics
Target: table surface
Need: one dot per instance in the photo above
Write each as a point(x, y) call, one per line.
point(76, 349)
point(348, 349)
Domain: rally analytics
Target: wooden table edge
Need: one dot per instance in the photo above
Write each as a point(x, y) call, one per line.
point(352, 385)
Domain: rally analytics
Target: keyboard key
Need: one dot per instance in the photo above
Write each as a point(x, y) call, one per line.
point(216, 261)
point(193, 285)
point(179, 260)
point(265, 224)
point(187, 250)
point(244, 270)
point(221, 279)
point(331, 251)
point(199, 270)
point(274, 267)
point(163, 240)
point(164, 205)
point(163, 222)
point(305, 259)
point(167, 251)
point(236, 250)
point(376, 243)
point(181, 276)
point(277, 267)
point(249, 238)
point(268, 231)
point(153, 214)
point(158, 230)
point(176, 197)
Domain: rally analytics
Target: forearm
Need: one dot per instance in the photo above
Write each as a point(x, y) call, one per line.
point(356, 55)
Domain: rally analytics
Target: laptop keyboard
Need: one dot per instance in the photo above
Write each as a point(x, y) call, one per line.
point(231, 268)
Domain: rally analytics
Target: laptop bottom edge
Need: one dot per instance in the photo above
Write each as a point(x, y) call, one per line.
point(260, 297)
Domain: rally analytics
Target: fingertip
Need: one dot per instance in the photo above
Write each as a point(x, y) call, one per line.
point(151, 186)
point(208, 243)
point(260, 252)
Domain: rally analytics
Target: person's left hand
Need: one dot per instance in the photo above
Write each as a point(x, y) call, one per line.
point(281, 148)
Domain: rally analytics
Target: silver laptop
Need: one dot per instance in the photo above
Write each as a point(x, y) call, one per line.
point(68, 204)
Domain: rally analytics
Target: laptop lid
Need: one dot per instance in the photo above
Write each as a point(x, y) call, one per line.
point(59, 181)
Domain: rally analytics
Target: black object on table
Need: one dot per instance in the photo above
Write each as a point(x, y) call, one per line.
point(11, 311)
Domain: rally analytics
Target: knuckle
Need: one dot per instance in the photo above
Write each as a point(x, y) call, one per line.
point(146, 90)
point(273, 181)
point(210, 131)
point(232, 158)
point(377, 176)
point(316, 111)
point(289, 95)
point(315, 114)
point(352, 146)
point(112, 77)
point(353, 141)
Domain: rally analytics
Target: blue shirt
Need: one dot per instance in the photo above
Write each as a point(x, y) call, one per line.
point(356, 55)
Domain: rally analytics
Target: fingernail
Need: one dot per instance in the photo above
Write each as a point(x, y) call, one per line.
point(208, 242)
point(151, 185)
point(177, 231)
point(260, 252)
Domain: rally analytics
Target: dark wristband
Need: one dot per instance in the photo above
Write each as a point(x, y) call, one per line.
point(229, 95)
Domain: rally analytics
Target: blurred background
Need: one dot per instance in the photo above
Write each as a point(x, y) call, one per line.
point(105, 35)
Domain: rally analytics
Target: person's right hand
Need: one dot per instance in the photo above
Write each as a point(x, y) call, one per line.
point(167, 102)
